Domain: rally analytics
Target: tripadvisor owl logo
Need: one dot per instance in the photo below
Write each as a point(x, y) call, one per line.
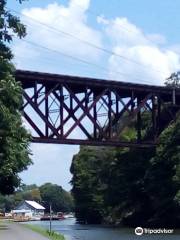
point(139, 231)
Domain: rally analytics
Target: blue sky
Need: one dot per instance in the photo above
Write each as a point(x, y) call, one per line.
point(152, 16)
point(141, 37)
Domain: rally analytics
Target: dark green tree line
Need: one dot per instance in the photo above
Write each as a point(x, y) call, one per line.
point(130, 186)
point(55, 195)
point(14, 139)
point(45, 194)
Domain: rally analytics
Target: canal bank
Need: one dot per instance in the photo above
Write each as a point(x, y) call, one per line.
point(52, 235)
point(15, 231)
point(73, 231)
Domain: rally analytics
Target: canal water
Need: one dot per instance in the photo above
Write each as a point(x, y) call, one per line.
point(73, 231)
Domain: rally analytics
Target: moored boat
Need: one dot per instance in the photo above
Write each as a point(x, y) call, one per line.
point(70, 215)
point(53, 218)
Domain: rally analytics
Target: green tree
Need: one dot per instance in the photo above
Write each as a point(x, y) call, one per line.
point(91, 175)
point(127, 185)
point(173, 80)
point(163, 179)
point(60, 199)
point(55, 195)
point(14, 139)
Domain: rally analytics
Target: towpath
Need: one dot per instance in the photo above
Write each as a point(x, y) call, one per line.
point(13, 231)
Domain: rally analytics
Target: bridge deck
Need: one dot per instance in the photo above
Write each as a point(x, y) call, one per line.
point(79, 110)
point(79, 84)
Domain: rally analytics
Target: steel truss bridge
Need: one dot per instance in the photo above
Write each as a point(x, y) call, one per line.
point(79, 110)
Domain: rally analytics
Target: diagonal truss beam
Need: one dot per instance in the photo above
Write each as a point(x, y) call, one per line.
point(63, 103)
point(41, 115)
point(86, 113)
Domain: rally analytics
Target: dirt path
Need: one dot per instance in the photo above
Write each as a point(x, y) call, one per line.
point(13, 231)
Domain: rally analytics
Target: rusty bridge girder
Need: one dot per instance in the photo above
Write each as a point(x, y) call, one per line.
point(75, 110)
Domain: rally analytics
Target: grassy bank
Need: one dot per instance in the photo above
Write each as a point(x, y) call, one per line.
point(44, 232)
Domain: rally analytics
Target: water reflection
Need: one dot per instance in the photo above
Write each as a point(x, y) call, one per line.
point(73, 231)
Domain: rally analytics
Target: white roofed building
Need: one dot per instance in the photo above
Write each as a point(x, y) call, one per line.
point(35, 208)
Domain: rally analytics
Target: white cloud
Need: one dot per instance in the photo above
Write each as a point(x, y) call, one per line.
point(156, 38)
point(145, 60)
point(151, 61)
point(71, 20)
point(121, 31)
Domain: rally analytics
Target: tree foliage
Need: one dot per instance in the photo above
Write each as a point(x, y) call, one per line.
point(173, 80)
point(163, 178)
point(90, 181)
point(8, 23)
point(55, 195)
point(14, 140)
point(60, 199)
point(129, 186)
